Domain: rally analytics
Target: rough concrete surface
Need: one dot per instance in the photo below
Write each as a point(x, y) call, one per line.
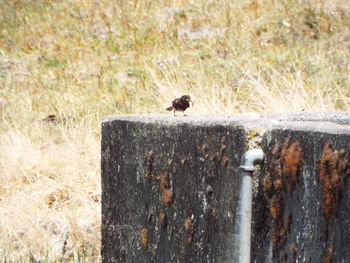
point(305, 179)
point(170, 187)
point(169, 191)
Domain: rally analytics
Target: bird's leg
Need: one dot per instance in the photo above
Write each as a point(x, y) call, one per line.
point(174, 113)
point(184, 113)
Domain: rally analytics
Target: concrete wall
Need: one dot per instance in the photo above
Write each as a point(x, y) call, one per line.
point(305, 179)
point(170, 187)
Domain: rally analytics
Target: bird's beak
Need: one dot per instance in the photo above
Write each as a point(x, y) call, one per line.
point(191, 101)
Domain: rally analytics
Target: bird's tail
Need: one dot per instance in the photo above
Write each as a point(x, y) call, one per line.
point(170, 108)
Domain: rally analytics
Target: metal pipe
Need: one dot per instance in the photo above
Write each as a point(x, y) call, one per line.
point(248, 162)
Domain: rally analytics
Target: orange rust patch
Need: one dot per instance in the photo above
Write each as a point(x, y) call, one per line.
point(291, 158)
point(293, 249)
point(279, 236)
point(268, 183)
point(328, 257)
point(275, 149)
point(167, 194)
point(278, 184)
point(224, 160)
point(203, 148)
point(167, 197)
point(276, 207)
point(163, 219)
point(332, 167)
point(164, 181)
point(274, 173)
point(282, 177)
point(144, 237)
point(214, 213)
point(188, 224)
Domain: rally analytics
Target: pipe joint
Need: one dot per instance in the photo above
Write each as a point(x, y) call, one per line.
point(250, 159)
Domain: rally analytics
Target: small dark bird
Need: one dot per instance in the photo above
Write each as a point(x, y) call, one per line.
point(180, 104)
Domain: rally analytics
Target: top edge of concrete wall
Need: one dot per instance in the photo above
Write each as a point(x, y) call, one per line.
point(332, 122)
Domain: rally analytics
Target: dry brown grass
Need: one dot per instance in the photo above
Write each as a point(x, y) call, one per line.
point(49, 193)
point(84, 59)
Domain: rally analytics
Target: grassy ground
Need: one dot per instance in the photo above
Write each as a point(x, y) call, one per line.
point(80, 60)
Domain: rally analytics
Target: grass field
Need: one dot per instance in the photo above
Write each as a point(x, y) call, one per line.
point(80, 60)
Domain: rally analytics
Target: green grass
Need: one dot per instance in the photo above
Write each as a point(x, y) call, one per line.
point(82, 59)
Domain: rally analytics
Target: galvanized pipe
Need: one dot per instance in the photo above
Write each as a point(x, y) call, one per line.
point(248, 162)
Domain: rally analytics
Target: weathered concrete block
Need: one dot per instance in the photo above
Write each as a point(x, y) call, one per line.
point(170, 187)
point(305, 179)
